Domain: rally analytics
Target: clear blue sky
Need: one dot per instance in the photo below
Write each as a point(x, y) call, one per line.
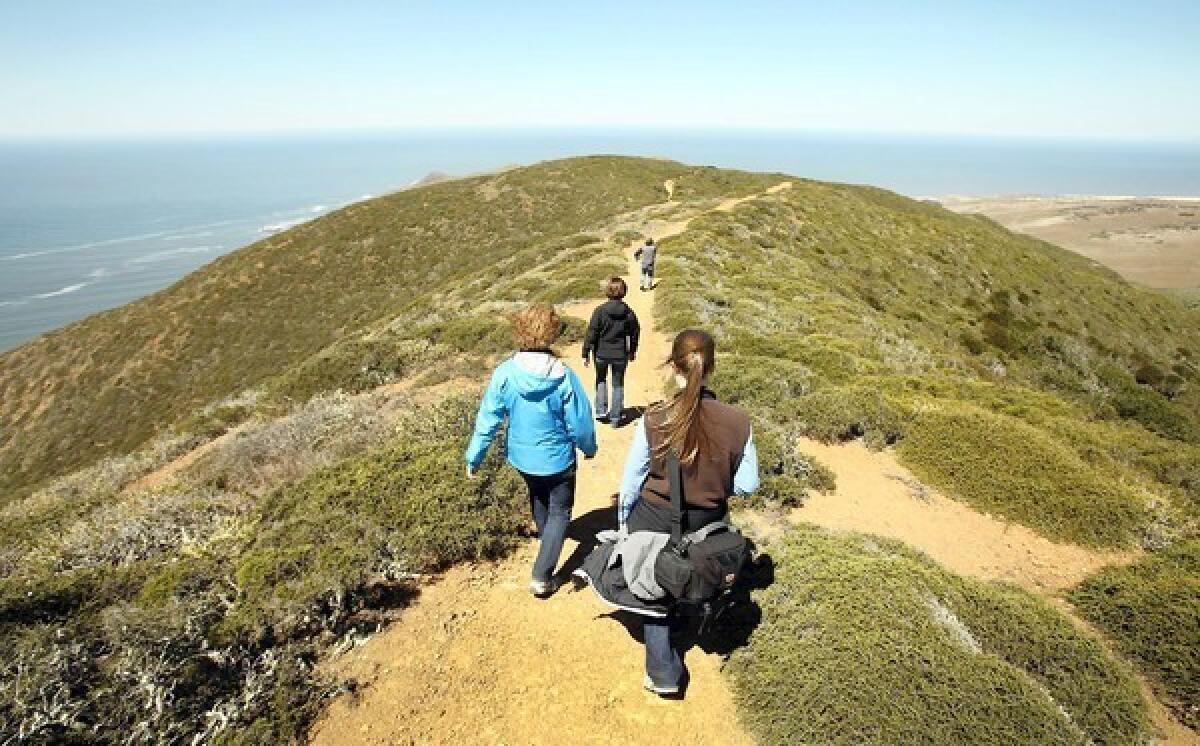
point(1064, 68)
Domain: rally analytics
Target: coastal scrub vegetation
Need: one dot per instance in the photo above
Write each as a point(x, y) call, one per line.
point(199, 611)
point(1011, 374)
point(1152, 610)
point(863, 640)
point(1014, 375)
point(315, 498)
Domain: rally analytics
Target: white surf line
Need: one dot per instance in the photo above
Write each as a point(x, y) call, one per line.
point(61, 291)
point(113, 241)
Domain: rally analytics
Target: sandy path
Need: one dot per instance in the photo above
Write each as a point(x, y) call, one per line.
point(477, 659)
point(877, 495)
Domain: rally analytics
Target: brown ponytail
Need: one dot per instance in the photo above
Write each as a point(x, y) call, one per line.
point(680, 428)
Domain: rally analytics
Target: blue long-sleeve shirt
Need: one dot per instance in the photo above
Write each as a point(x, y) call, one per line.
point(548, 410)
point(637, 467)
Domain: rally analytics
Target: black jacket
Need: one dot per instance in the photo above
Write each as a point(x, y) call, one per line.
point(612, 334)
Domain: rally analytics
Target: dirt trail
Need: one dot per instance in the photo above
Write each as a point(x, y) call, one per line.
point(477, 659)
point(877, 495)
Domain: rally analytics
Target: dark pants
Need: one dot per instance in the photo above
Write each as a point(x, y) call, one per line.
point(551, 498)
point(603, 407)
point(664, 661)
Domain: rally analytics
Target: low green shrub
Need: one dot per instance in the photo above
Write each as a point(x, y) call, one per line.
point(863, 641)
point(623, 238)
point(352, 364)
point(787, 473)
point(750, 380)
point(1152, 609)
point(846, 412)
point(1154, 411)
point(211, 422)
point(407, 508)
point(1002, 465)
point(481, 335)
point(198, 615)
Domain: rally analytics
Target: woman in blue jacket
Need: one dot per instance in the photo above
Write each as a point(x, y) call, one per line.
point(549, 416)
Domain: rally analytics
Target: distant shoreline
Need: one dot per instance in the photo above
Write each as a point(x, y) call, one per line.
point(1060, 197)
point(145, 227)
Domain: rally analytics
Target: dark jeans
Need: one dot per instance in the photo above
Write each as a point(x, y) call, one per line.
point(551, 498)
point(603, 408)
point(664, 661)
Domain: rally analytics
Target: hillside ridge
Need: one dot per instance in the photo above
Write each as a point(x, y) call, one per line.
point(504, 667)
point(952, 404)
point(253, 313)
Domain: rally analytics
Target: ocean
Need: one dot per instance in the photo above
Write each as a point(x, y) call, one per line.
point(86, 226)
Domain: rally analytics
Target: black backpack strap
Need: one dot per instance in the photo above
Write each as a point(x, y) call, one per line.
point(675, 480)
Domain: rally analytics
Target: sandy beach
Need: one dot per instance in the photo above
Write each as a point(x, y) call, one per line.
point(1150, 241)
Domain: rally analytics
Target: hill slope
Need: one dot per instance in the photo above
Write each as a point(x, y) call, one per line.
point(1007, 373)
point(1014, 374)
point(106, 384)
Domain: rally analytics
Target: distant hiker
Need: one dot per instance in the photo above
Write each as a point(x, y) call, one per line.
point(549, 416)
point(612, 338)
point(687, 458)
point(647, 253)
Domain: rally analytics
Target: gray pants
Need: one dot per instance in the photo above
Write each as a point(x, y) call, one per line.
point(647, 276)
point(603, 409)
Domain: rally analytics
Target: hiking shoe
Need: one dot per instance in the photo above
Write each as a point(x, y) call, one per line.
point(602, 418)
point(662, 691)
point(543, 588)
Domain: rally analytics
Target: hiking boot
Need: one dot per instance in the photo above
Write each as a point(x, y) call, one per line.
point(662, 691)
point(543, 588)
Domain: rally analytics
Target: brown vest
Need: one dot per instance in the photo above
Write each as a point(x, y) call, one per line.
point(707, 481)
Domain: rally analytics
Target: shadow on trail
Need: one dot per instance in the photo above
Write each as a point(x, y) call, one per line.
point(630, 414)
point(728, 629)
point(583, 529)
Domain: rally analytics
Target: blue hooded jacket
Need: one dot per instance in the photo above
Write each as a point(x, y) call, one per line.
point(549, 415)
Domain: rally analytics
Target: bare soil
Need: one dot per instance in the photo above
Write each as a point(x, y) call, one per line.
point(1154, 242)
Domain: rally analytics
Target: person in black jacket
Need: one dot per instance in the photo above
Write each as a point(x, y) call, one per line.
point(612, 338)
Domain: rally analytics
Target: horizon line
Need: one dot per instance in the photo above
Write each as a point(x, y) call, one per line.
point(621, 129)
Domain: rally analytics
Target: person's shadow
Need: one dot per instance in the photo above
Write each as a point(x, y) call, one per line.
point(630, 414)
point(583, 530)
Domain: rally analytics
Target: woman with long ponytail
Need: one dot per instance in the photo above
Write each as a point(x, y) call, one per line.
point(715, 447)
